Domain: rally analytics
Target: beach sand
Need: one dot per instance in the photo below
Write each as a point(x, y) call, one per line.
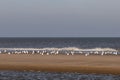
point(108, 64)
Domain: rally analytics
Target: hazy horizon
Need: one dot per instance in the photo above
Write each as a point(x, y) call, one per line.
point(63, 18)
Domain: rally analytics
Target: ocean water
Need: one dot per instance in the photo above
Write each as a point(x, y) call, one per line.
point(83, 43)
point(60, 45)
point(27, 75)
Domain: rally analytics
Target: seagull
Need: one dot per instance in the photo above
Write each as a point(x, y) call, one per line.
point(87, 54)
point(47, 53)
point(9, 53)
point(102, 53)
point(68, 54)
point(72, 53)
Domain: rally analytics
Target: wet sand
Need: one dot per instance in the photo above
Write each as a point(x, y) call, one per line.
point(108, 64)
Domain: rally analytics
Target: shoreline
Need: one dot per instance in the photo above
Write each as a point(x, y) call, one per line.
point(61, 63)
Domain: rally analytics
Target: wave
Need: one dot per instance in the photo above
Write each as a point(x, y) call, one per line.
point(55, 51)
point(65, 48)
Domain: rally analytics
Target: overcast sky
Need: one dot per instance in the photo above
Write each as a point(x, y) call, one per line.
point(59, 18)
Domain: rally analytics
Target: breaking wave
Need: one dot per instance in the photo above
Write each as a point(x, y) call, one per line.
point(66, 48)
point(66, 51)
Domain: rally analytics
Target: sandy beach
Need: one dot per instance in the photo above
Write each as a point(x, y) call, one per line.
point(108, 64)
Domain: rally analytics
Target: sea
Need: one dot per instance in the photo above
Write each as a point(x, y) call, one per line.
point(83, 43)
point(25, 75)
point(61, 43)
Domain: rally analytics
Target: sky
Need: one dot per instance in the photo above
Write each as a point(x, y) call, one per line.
point(59, 18)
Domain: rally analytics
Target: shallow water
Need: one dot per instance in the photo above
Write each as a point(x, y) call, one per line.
point(30, 75)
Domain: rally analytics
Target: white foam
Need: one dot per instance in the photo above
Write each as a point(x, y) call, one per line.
point(65, 48)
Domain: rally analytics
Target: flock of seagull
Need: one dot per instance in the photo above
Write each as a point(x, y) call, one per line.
point(54, 51)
